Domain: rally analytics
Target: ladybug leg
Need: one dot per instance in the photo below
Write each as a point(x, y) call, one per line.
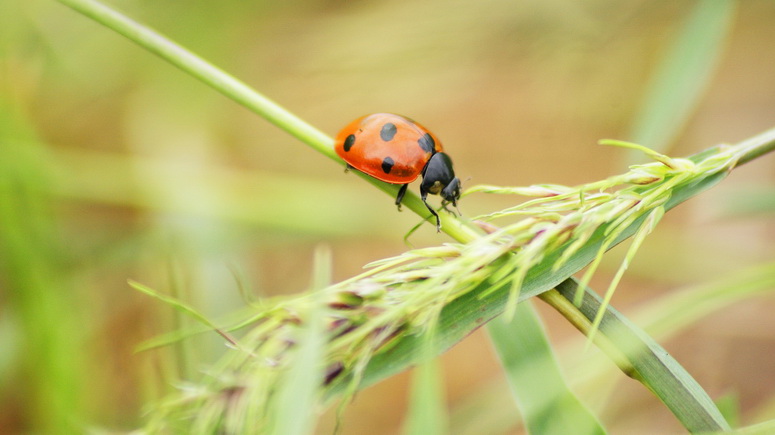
point(347, 168)
point(424, 196)
point(444, 204)
point(400, 196)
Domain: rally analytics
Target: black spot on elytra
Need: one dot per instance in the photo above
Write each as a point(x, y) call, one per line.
point(349, 142)
point(427, 143)
point(387, 164)
point(388, 131)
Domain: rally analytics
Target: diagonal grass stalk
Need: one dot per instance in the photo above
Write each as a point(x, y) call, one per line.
point(641, 358)
point(377, 320)
point(241, 93)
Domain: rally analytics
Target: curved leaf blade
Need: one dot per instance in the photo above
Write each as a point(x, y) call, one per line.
point(547, 404)
point(652, 365)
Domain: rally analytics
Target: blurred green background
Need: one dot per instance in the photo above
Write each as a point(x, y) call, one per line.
point(117, 166)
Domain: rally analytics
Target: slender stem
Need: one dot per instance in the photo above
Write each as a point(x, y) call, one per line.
point(583, 324)
point(194, 65)
point(644, 359)
point(756, 146)
point(241, 93)
point(276, 114)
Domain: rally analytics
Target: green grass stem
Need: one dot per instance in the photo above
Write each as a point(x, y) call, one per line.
point(211, 75)
point(646, 361)
point(238, 91)
point(481, 300)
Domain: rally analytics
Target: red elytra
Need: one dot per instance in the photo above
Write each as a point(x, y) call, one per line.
point(397, 150)
point(388, 147)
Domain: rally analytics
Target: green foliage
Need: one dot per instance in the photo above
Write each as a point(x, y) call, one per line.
point(677, 86)
point(642, 358)
point(297, 394)
point(427, 410)
point(32, 260)
point(379, 320)
point(288, 357)
point(543, 397)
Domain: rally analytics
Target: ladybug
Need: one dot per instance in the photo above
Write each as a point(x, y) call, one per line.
point(397, 150)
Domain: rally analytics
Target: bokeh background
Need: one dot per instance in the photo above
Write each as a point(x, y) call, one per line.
point(117, 166)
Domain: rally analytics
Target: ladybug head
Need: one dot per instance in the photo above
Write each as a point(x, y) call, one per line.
point(439, 179)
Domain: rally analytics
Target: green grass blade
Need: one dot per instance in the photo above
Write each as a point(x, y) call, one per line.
point(765, 428)
point(729, 406)
point(662, 317)
point(547, 404)
point(645, 360)
point(204, 71)
point(248, 97)
point(183, 308)
point(297, 395)
point(39, 297)
point(462, 315)
point(640, 235)
point(427, 409)
point(465, 314)
point(680, 79)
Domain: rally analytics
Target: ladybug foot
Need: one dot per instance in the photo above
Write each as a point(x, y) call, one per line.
point(436, 215)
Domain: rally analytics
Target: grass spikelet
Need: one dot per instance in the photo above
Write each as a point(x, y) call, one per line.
point(403, 296)
point(561, 220)
point(645, 229)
